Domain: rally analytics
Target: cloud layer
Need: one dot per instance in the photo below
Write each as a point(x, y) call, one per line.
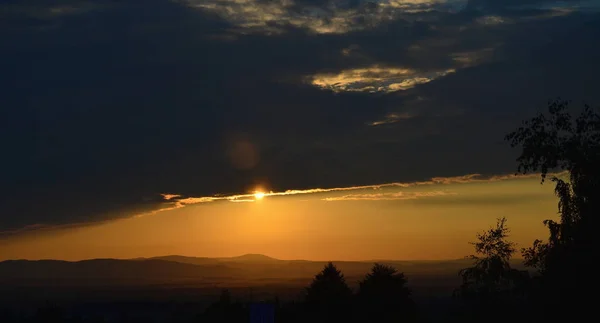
point(106, 105)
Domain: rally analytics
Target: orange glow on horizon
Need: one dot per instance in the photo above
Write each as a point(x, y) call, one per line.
point(427, 220)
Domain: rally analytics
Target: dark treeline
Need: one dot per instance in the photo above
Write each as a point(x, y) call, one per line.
point(558, 287)
point(383, 296)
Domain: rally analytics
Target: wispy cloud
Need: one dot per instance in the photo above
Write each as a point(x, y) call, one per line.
point(389, 196)
point(473, 58)
point(583, 5)
point(493, 20)
point(356, 193)
point(391, 118)
point(173, 201)
point(170, 196)
point(375, 79)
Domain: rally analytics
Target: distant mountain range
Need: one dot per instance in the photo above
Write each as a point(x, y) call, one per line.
point(245, 270)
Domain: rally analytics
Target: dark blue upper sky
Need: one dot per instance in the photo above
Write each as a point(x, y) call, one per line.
point(106, 104)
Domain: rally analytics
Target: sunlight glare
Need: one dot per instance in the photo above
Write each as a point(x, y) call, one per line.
point(259, 195)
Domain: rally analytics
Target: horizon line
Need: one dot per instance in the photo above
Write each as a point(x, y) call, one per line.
point(243, 255)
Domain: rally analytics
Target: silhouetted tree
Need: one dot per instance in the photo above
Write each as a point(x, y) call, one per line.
point(384, 297)
point(493, 291)
point(558, 141)
point(328, 294)
point(491, 275)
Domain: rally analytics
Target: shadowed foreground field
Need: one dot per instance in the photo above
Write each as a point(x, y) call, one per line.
point(177, 286)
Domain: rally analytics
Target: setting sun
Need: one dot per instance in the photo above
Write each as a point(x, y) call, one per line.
point(259, 195)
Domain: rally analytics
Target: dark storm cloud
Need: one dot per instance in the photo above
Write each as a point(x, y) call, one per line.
point(105, 104)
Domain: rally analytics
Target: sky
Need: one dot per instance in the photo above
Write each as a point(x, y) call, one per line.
point(133, 128)
point(427, 220)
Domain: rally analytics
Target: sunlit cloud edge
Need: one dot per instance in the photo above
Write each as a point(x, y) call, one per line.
point(177, 201)
point(250, 197)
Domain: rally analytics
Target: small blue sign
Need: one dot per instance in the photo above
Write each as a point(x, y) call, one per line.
point(262, 313)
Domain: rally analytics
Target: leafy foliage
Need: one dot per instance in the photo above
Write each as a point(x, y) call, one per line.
point(491, 273)
point(558, 141)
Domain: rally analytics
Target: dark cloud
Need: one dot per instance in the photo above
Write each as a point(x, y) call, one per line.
point(498, 4)
point(106, 104)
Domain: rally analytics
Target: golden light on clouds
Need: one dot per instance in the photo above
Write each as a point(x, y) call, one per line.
point(269, 17)
point(388, 196)
point(339, 17)
point(375, 79)
point(176, 201)
point(170, 196)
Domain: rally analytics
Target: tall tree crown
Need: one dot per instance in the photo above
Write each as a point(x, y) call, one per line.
point(328, 286)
